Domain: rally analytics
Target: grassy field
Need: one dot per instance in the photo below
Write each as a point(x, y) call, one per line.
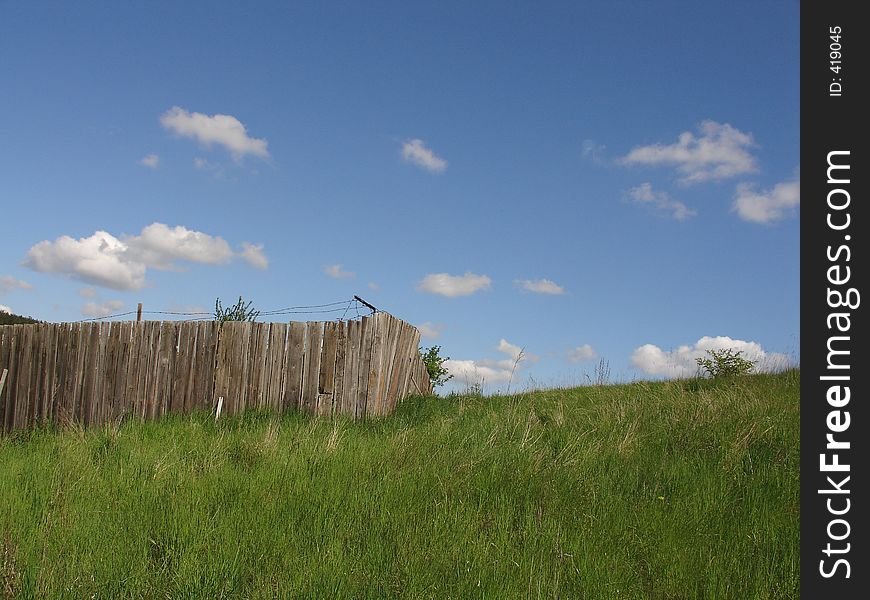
point(682, 489)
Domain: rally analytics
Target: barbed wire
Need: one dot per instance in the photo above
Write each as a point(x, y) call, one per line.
point(342, 306)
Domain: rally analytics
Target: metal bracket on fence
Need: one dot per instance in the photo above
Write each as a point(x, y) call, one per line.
point(360, 300)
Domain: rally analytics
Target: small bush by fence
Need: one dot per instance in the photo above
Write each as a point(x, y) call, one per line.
point(93, 373)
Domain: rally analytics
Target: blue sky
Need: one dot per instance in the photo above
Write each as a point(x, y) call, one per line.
point(584, 180)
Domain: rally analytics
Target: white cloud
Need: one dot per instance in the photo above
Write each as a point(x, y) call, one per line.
point(373, 286)
point(767, 206)
point(430, 330)
point(488, 370)
point(92, 309)
point(151, 161)
point(121, 264)
point(582, 354)
point(470, 372)
point(337, 272)
point(416, 152)
point(253, 254)
point(593, 151)
point(9, 283)
point(540, 286)
point(224, 130)
point(159, 246)
point(87, 292)
point(5, 309)
point(718, 151)
point(452, 286)
point(100, 259)
point(652, 360)
point(661, 201)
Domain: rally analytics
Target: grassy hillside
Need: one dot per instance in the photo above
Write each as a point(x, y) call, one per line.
point(682, 489)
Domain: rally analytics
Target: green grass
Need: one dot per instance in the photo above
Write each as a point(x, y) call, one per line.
point(682, 489)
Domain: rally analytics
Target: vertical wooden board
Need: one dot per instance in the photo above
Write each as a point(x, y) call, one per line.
point(397, 365)
point(89, 377)
point(365, 361)
point(209, 364)
point(409, 384)
point(131, 395)
point(36, 359)
point(351, 367)
point(136, 389)
point(277, 348)
point(62, 373)
point(392, 367)
point(405, 370)
point(5, 342)
point(180, 368)
point(311, 379)
point(222, 368)
point(326, 385)
point(123, 333)
point(243, 361)
point(153, 351)
point(379, 321)
point(52, 375)
point(295, 363)
point(12, 343)
point(22, 382)
point(104, 373)
point(96, 409)
point(205, 365)
point(340, 349)
point(185, 374)
point(252, 377)
point(168, 345)
point(79, 353)
point(391, 373)
point(147, 361)
point(259, 368)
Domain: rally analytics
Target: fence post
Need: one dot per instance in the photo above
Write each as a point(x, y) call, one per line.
point(139, 313)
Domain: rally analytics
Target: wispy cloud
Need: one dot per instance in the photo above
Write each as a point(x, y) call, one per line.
point(767, 206)
point(718, 151)
point(661, 202)
point(95, 310)
point(223, 130)
point(430, 330)
point(652, 360)
point(88, 292)
point(581, 354)
point(5, 309)
point(105, 260)
point(415, 152)
point(9, 284)
point(540, 286)
point(337, 272)
point(491, 371)
point(593, 151)
point(452, 286)
point(253, 255)
point(151, 161)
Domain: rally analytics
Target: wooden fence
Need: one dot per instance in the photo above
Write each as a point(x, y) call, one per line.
point(94, 373)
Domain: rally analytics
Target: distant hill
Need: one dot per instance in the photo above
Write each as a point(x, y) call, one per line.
point(13, 319)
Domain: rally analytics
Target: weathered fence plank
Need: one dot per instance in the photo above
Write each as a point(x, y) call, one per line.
point(94, 373)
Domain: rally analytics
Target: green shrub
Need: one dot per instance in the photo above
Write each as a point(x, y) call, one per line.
point(435, 365)
point(240, 312)
point(725, 363)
